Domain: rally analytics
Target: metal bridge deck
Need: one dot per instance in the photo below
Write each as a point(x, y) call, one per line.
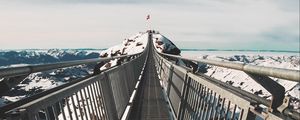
point(150, 103)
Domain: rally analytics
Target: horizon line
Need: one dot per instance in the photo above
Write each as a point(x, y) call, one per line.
point(182, 49)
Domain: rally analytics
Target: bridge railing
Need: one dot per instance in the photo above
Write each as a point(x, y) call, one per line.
point(25, 70)
point(101, 96)
point(197, 96)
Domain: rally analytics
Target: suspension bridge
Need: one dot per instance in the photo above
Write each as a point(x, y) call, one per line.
point(151, 86)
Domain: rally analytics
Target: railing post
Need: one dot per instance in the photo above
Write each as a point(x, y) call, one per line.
point(277, 91)
point(170, 79)
point(185, 92)
point(109, 102)
point(160, 65)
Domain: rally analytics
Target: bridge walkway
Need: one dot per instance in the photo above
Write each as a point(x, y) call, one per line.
point(150, 103)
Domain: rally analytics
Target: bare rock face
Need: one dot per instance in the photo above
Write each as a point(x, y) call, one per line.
point(164, 45)
point(103, 55)
point(107, 65)
point(139, 44)
point(123, 51)
point(174, 51)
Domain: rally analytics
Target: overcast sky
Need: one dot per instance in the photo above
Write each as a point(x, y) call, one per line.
point(219, 24)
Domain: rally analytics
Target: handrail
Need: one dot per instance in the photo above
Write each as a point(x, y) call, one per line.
point(235, 89)
point(167, 69)
point(25, 70)
point(291, 75)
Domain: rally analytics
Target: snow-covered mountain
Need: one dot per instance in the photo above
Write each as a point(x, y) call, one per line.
point(132, 45)
point(11, 57)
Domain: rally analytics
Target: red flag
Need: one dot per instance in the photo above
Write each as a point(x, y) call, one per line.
point(148, 17)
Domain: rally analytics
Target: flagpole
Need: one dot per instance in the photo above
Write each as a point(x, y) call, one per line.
point(148, 23)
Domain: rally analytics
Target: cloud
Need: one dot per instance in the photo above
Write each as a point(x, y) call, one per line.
point(225, 24)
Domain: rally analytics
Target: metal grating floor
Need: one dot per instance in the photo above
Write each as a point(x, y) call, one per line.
point(150, 103)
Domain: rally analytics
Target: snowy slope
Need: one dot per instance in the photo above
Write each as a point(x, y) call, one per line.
point(132, 45)
point(40, 81)
point(242, 80)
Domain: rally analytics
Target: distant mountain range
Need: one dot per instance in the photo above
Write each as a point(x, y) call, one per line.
point(287, 51)
point(38, 56)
